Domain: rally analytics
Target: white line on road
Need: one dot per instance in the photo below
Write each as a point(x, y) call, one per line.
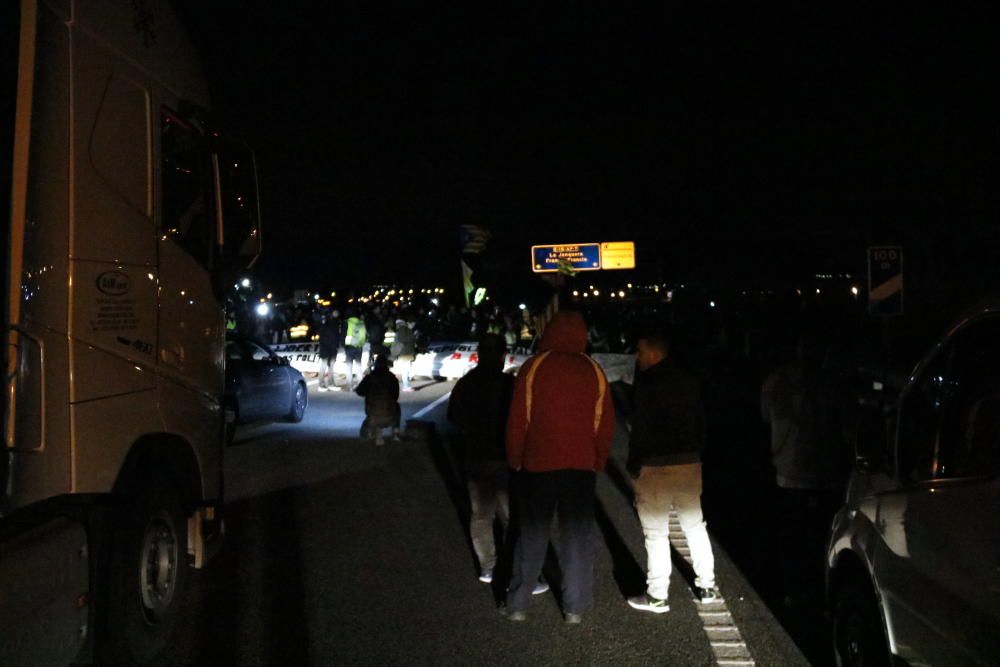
point(433, 405)
point(731, 651)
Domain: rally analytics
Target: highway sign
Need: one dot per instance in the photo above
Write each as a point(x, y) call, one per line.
point(618, 255)
point(885, 280)
point(576, 256)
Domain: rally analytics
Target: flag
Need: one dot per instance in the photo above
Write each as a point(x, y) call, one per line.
point(473, 239)
point(467, 286)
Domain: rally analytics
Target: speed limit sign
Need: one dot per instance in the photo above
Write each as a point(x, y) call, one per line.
point(885, 280)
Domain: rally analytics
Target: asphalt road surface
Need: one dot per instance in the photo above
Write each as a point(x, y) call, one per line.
point(341, 552)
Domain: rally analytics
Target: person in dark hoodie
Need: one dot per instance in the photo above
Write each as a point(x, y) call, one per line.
point(329, 344)
point(558, 436)
point(380, 389)
point(664, 459)
point(479, 404)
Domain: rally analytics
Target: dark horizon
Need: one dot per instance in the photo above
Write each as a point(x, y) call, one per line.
point(717, 142)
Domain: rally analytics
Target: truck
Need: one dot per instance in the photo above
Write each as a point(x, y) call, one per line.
point(127, 215)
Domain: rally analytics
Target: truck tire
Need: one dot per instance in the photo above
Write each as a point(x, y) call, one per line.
point(146, 576)
point(859, 640)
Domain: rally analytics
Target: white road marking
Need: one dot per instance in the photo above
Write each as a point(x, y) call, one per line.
point(731, 650)
point(433, 405)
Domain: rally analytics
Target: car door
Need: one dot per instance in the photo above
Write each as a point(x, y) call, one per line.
point(265, 382)
point(939, 561)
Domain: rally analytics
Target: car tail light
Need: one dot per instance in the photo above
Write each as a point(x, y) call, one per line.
point(456, 356)
point(474, 358)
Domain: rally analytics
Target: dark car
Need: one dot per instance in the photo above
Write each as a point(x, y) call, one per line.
point(260, 385)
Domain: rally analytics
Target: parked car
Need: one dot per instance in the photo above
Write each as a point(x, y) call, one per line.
point(428, 364)
point(260, 385)
point(463, 359)
point(913, 566)
point(465, 356)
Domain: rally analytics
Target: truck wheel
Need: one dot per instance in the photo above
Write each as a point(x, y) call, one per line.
point(299, 401)
point(859, 640)
point(146, 576)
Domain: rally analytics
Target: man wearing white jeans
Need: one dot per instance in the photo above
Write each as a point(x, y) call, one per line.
point(668, 434)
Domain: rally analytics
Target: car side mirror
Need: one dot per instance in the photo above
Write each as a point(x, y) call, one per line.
point(873, 436)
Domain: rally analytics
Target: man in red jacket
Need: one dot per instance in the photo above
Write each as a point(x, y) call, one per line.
point(558, 436)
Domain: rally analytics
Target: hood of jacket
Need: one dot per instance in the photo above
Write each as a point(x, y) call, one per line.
point(567, 332)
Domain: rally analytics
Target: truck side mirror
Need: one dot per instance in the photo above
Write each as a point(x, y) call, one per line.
point(237, 212)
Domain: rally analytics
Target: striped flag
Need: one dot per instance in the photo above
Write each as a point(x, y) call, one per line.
point(473, 239)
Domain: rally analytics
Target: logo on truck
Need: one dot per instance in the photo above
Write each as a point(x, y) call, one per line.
point(113, 283)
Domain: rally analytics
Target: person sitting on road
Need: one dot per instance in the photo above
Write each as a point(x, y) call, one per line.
point(380, 389)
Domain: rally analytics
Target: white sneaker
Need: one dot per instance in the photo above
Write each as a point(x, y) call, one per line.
point(540, 587)
point(645, 603)
point(322, 388)
point(486, 575)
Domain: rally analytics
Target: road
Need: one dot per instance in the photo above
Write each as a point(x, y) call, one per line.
point(341, 552)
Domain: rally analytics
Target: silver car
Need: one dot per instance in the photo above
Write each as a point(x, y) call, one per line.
point(913, 566)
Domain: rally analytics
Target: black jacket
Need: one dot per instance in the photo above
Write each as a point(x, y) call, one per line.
point(329, 339)
point(479, 405)
point(380, 389)
point(668, 419)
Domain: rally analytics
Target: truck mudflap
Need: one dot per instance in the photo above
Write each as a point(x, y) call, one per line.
point(44, 579)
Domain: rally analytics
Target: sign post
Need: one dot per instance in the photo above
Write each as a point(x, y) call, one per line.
point(618, 255)
point(577, 256)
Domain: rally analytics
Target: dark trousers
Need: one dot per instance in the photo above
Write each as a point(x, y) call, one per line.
point(570, 495)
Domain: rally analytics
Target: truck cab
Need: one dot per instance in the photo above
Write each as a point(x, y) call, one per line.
point(914, 555)
point(127, 214)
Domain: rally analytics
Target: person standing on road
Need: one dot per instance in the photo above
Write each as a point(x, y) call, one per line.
point(355, 336)
point(380, 389)
point(664, 460)
point(375, 331)
point(810, 428)
point(479, 405)
point(558, 436)
point(404, 351)
point(329, 344)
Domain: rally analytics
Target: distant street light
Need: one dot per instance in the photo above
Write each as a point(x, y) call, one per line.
point(245, 282)
point(263, 309)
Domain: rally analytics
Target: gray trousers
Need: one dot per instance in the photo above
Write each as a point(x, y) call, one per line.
point(490, 500)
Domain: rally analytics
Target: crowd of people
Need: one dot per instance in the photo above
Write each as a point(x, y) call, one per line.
point(538, 442)
point(534, 445)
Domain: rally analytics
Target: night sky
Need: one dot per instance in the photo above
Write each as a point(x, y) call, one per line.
point(749, 142)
